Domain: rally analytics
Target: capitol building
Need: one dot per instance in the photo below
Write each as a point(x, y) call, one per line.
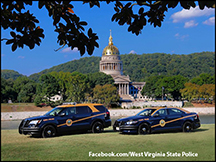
point(111, 64)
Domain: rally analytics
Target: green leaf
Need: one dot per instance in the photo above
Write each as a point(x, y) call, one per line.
point(13, 34)
point(89, 32)
point(56, 20)
point(141, 10)
point(201, 4)
point(14, 47)
point(83, 23)
point(10, 41)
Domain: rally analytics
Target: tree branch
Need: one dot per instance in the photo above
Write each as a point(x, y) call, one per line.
point(60, 47)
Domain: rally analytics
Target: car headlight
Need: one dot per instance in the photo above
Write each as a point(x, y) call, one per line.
point(132, 122)
point(35, 122)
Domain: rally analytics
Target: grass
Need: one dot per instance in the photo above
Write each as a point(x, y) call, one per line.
point(76, 147)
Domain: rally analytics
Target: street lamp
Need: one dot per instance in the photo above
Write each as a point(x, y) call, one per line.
point(162, 93)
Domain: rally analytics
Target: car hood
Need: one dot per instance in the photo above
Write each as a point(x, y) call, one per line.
point(37, 117)
point(136, 117)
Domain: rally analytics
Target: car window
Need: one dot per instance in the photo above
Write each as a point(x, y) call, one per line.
point(100, 108)
point(83, 110)
point(69, 111)
point(161, 112)
point(146, 112)
point(54, 112)
point(174, 111)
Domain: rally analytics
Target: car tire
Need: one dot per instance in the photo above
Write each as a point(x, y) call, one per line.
point(48, 131)
point(187, 127)
point(97, 127)
point(144, 129)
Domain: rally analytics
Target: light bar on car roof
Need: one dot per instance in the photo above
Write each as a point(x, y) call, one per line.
point(69, 103)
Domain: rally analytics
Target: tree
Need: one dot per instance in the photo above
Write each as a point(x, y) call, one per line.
point(7, 90)
point(172, 85)
point(69, 27)
point(61, 78)
point(99, 78)
point(76, 87)
point(19, 83)
point(190, 92)
point(151, 86)
point(203, 78)
point(27, 92)
point(207, 91)
point(106, 94)
point(48, 87)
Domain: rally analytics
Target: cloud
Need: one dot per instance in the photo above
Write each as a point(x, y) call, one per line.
point(177, 35)
point(68, 50)
point(210, 21)
point(181, 37)
point(132, 51)
point(191, 13)
point(21, 57)
point(190, 24)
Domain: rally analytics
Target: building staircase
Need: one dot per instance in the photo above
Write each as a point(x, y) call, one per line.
point(125, 97)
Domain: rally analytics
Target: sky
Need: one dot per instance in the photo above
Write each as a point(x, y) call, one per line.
point(182, 32)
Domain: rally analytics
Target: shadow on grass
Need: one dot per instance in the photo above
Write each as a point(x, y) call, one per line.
point(112, 131)
point(169, 131)
point(75, 133)
point(200, 130)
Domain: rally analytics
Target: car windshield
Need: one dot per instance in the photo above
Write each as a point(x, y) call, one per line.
point(146, 112)
point(54, 111)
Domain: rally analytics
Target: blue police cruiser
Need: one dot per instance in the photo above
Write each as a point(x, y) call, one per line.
point(158, 119)
point(68, 117)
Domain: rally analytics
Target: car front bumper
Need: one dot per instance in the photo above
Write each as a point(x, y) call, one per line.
point(31, 131)
point(25, 129)
point(125, 128)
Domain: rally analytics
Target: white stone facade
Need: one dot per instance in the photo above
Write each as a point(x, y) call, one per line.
point(111, 64)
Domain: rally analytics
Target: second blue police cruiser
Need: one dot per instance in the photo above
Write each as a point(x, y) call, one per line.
point(158, 119)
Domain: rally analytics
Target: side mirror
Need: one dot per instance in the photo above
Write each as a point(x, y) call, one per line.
point(156, 115)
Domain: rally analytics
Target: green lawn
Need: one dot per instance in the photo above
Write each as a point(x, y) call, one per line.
point(77, 147)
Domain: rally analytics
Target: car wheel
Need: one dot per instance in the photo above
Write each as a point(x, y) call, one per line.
point(97, 127)
point(48, 131)
point(187, 127)
point(143, 129)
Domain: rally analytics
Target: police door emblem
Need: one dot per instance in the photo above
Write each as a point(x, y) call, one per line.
point(69, 122)
point(162, 123)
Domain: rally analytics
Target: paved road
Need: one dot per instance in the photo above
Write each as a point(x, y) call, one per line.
point(13, 124)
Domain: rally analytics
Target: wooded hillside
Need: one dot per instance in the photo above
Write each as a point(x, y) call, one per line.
point(140, 67)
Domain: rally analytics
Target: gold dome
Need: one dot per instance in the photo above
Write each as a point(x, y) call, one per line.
point(111, 49)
